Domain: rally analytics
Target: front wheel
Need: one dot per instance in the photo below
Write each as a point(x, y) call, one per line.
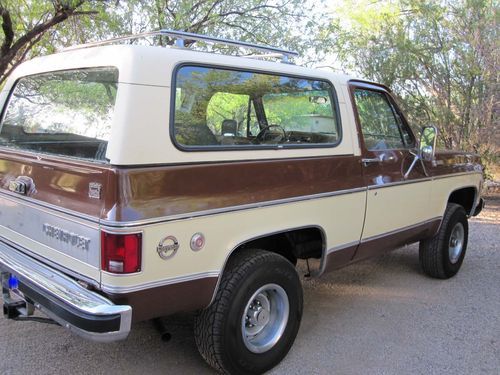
point(255, 316)
point(442, 255)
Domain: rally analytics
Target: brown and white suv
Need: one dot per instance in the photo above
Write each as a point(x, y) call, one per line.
point(140, 181)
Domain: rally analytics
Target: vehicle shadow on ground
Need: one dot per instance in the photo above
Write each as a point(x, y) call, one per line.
point(340, 284)
point(144, 351)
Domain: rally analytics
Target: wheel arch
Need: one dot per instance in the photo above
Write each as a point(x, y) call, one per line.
point(466, 196)
point(259, 239)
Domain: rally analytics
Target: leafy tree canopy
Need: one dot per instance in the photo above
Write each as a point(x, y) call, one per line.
point(440, 57)
point(31, 28)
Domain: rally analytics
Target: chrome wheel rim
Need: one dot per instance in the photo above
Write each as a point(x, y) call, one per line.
point(456, 244)
point(265, 318)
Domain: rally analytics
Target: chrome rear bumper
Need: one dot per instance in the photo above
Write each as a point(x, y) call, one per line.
point(76, 308)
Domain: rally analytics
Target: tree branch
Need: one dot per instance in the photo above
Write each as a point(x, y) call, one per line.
point(84, 13)
point(15, 64)
point(12, 53)
point(61, 15)
point(7, 30)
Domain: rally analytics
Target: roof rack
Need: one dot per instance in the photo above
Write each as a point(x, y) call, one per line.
point(181, 36)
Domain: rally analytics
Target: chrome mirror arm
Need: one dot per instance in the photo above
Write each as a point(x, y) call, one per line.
point(416, 158)
point(424, 168)
point(412, 165)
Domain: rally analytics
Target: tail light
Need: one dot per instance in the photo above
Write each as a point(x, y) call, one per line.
point(121, 253)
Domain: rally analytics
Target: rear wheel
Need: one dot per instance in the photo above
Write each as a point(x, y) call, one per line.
point(255, 316)
point(442, 255)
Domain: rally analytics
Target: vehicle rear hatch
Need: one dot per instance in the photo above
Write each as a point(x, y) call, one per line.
point(53, 170)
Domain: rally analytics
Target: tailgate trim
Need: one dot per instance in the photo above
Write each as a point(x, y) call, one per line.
point(68, 236)
point(39, 203)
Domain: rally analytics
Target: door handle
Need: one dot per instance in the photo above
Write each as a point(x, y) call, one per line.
point(380, 159)
point(370, 161)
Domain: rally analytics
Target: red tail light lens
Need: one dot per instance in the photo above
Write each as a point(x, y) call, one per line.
point(121, 253)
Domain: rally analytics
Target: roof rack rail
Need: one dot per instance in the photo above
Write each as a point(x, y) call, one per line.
point(181, 36)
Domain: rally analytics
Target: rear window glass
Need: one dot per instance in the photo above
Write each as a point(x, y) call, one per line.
point(65, 113)
point(221, 108)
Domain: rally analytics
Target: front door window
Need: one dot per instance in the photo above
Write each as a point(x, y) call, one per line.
point(381, 126)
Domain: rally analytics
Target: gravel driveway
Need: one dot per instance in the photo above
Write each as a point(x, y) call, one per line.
point(381, 316)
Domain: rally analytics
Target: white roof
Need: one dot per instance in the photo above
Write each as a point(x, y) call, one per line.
point(152, 65)
point(140, 131)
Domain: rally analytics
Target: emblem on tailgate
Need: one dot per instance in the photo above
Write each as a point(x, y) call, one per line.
point(95, 190)
point(65, 236)
point(18, 187)
point(22, 185)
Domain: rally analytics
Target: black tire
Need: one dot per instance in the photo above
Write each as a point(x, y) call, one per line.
point(219, 330)
point(434, 253)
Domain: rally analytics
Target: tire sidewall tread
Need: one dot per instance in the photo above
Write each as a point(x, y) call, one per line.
point(218, 328)
point(433, 252)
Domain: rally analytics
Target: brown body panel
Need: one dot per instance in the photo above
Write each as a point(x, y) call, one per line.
point(168, 299)
point(143, 193)
point(130, 194)
point(380, 245)
point(340, 258)
point(391, 241)
point(172, 190)
point(450, 162)
point(60, 182)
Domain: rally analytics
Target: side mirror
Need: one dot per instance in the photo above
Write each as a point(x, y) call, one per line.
point(427, 144)
point(426, 149)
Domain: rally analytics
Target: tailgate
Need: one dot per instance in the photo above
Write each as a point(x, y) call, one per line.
point(50, 208)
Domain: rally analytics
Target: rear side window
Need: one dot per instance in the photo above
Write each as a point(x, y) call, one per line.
point(221, 108)
point(66, 113)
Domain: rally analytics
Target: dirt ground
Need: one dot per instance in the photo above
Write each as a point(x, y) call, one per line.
point(381, 316)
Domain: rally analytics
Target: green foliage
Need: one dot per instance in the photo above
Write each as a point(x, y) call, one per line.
point(293, 112)
point(440, 57)
point(32, 28)
point(75, 102)
point(227, 106)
